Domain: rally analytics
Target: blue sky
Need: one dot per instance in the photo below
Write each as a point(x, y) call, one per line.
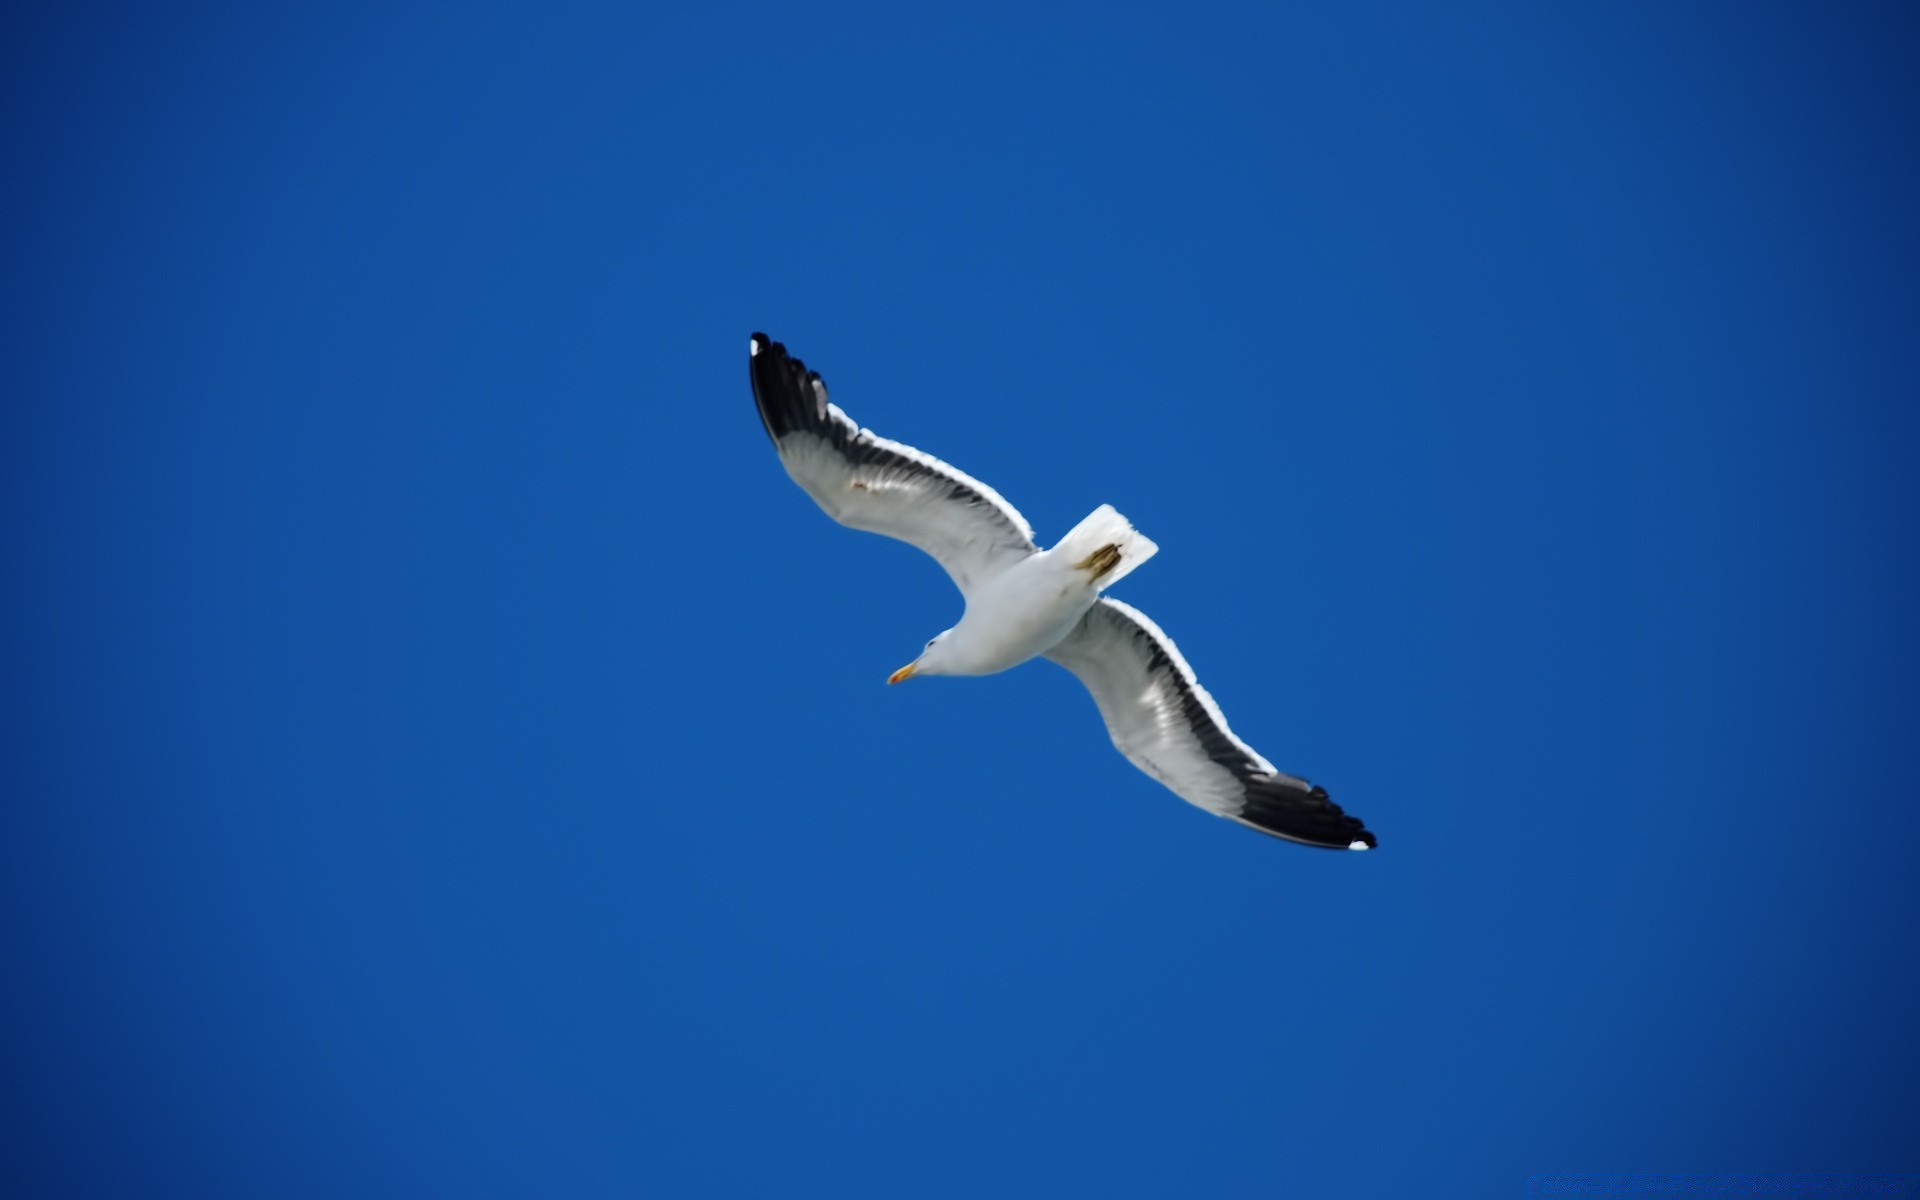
point(444, 755)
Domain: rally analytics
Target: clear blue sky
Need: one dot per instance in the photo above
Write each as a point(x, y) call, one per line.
point(444, 755)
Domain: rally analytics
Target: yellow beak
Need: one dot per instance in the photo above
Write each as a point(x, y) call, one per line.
point(903, 673)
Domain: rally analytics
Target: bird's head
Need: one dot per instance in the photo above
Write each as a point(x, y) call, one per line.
point(932, 661)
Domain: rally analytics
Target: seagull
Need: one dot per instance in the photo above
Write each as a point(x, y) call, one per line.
point(1023, 602)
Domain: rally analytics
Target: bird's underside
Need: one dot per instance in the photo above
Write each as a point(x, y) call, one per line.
point(1156, 712)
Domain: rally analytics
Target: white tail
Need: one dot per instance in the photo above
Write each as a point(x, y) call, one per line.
point(1106, 546)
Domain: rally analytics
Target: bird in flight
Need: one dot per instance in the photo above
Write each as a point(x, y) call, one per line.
point(1023, 602)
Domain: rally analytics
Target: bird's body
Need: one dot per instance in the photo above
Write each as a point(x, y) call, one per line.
point(1026, 608)
point(1018, 615)
point(1023, 602)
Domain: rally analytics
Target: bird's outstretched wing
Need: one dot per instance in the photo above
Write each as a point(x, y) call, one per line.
point(1166, 724)
point(867, 482)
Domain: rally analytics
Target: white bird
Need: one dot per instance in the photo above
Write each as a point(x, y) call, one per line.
point(1023, 602)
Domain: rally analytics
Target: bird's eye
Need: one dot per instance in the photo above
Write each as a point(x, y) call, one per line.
point(931, 641)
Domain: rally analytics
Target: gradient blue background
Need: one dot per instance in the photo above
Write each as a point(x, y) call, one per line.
point(444, 755)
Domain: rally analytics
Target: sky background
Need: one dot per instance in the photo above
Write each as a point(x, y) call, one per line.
point(444, 755)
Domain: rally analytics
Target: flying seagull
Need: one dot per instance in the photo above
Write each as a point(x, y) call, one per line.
point(1024, 602)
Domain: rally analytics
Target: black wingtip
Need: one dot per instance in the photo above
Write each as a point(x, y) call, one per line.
point(1304, 814)
point(788, 395)
point(779, 390)
point(1360, 838)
